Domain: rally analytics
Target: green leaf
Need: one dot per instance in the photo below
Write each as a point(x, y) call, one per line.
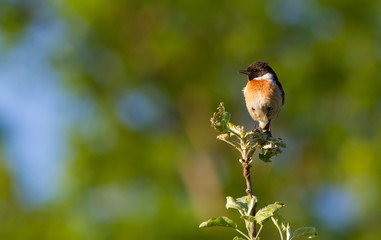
point(244, 200)
point(281, 222)
point(238, 238)
point(252, 203)
point(226, 137)
point(264, 158)
point(267, 212)
point(282, 225)
point(220, 119)
point(240, 206)
point(219, 222)
point(238, 130)
point(249, 218)
point(308, 232)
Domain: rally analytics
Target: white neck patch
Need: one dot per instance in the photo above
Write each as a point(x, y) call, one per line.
point(267, 76)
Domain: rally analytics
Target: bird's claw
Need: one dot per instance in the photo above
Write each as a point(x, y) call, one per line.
point(256, 130)
point(268, 133)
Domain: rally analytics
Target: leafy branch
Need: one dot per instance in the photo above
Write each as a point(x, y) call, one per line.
point(247, 143)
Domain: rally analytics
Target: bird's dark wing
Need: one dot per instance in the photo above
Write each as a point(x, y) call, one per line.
point(280, 87)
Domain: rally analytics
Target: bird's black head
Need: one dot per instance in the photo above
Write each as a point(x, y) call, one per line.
point(257, 69)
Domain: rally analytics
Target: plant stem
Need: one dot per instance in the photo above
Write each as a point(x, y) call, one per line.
point(260, 229)
point(246, 173)
point(242, 233)
point(249, 190)
point(280, 231)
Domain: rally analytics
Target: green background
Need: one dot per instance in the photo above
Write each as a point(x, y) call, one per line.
point(145, 163)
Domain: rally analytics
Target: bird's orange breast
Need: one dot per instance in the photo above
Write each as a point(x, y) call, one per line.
point(260, 89)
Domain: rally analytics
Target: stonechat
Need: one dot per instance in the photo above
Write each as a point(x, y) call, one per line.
point(264, 94)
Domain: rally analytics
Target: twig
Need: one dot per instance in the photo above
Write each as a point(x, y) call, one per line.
point(277, 226)
point(242, 233)
point(249, 190)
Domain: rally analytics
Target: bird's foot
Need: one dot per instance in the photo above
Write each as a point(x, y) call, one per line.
point(268, 133)
point(255, 130)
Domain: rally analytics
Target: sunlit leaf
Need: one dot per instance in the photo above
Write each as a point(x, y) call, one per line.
point(244, 200)
point(227, 138)
point(249, 218)
point(307, 232)
point(238, 130)
point(220, 119)
point(240, 206)
point(219, 222)
point(267, 212)
point(243, 204)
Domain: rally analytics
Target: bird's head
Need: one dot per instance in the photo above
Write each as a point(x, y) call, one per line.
point(258, 70)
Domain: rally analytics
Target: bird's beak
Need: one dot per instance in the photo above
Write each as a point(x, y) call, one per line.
point(243, 71)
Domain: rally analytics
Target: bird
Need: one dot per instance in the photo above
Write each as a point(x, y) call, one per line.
point(264, 95)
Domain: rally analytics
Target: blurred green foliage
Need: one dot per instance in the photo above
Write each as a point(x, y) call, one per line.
point(147, 165)
point(14, 17)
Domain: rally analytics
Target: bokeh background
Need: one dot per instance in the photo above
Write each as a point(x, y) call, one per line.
point(105, 108)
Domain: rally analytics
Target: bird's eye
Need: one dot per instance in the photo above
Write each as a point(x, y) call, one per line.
point(255, 70)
